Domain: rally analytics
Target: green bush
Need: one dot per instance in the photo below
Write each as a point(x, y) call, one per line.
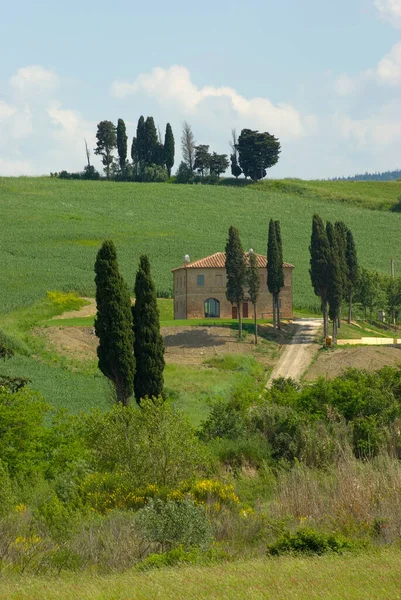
point(174, 523)
point(309, 541)
point(168, 559)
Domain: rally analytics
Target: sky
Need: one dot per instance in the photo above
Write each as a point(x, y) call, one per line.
point(322, 76)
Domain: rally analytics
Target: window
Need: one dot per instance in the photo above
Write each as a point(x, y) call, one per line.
point(212, 308)
point(200, 280)
point(219, 280)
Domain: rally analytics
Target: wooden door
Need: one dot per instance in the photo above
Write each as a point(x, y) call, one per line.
point(234, 312)
point(245, 310)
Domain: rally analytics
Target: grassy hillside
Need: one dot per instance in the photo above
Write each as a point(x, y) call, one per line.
point(51, 229)
point(365, 576)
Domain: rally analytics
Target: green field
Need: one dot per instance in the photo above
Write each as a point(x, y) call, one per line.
point(367, 576)
point(52, 229)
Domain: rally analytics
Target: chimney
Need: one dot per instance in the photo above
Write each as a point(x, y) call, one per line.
point(186, 259)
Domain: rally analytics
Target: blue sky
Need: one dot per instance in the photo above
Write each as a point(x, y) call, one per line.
point(325, 77)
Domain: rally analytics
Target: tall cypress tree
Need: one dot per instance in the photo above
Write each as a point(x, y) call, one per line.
point(134, 155)
point(122, 144)
point(148, 344)
point(151, 141)
point(140, 140)
point(273, 268)
point(341, 233)
point(169, 149)
point(113, 324)
point(319, 265)
point(353, 270)
point(280, 268)
point(236, 273)
point(253, 281)
point(336, 280)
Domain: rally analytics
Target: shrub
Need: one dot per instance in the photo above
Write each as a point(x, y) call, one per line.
point(171, 524)
point(309, 541)
point(168, 559)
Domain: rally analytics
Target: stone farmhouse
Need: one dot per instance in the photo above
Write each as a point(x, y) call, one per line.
point(200, 286)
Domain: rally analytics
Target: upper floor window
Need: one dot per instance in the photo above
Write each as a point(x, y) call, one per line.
point(200, 280)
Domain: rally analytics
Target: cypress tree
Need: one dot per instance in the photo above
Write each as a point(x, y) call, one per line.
point(319, 265)
point(134, 155)
point(253, 286)
point(148, 344)
point(336, 280)
point(273, 268)
point(236, 273)
point(151, 141)
point(341, 233)
point(353, 271)
point(140, 140)
point(280, 268)
point(113, 324)
point(122, 144)
point(169, 149)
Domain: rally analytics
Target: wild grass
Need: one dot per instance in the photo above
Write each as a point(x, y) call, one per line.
point(51, 229)
point(374, 575)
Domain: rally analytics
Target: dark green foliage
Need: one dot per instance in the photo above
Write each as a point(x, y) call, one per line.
point(336, 279)
point(309, 541)
point(253, 284)
point(106, 142)
point(352, 270)
point(202, 159)
point(236, 272)
point(235, 168)
point(122, 143)
point(341, 234)
point(274, 268)
point(113, 323)
point(169, 149)
point(150, 148)
point(141, 140)
point(257, 152)
point(148, 344)
point(319, 264)
point(184, 174)
point(218, 164)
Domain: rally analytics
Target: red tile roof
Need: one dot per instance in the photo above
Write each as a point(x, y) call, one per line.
point(218, 260)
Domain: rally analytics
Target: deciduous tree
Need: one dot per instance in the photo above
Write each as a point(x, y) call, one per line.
point(188, 145)
point(148, 344)
point(236, 273)
point(257, 152)
point(202, 159)
point(106, 142)
point(113, 324)
point(218, 163)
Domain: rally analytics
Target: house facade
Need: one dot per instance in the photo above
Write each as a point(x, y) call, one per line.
point(200, 290)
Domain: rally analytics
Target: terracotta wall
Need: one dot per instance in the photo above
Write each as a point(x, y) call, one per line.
point(189, 297)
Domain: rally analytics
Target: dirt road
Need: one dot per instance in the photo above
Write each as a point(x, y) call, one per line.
point(298, 354)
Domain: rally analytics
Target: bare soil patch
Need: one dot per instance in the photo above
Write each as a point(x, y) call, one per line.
point(184, 345)
point(333, 363)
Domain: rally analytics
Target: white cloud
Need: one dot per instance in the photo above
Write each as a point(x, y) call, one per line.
point(389, 68)
point(344, 85)
point(390, 10)
point(52, 135)
point(174, 86)
point(381, 129)
point(34, 78)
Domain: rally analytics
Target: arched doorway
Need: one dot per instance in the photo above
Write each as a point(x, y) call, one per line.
point(212, 308)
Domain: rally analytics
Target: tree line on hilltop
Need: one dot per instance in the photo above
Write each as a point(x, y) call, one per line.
point(152, 156)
